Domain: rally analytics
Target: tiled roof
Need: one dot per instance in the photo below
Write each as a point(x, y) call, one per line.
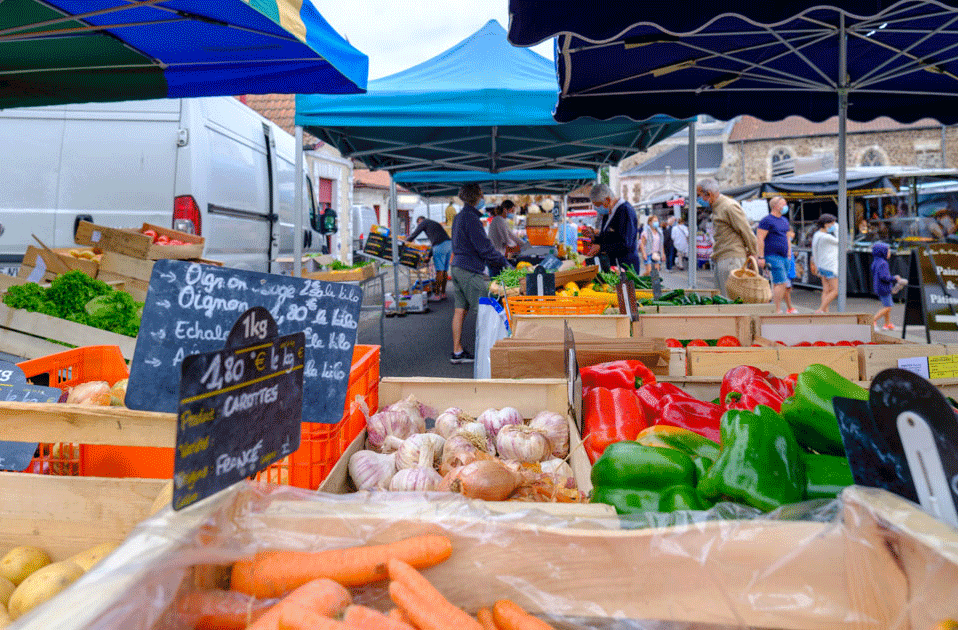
point(751, 128)
point(280, 108)
point(363, 178)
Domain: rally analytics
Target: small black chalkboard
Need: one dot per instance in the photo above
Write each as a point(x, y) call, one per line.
point(540, 282)
point(572, 376)
point(191, 308)
point(240, 408)
point(625, 292)
point(14, 387)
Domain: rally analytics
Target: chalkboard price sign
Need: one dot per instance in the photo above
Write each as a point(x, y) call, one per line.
point(932, 293)
point(15, 388)
point(240, 408)
point(191, 308)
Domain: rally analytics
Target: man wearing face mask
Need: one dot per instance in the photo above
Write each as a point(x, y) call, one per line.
point(472, 251)
point(734, 240)
point(775, 249)
point(617, 228)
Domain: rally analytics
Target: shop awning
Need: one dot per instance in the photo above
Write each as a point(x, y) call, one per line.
point(79, 51)
point(557, 181)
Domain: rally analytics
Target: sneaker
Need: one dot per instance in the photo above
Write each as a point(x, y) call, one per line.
point(462, 357)
point(435, 298)
point(888, 327)
point(792, 311)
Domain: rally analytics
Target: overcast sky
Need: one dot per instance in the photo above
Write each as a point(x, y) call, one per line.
point(399, 34)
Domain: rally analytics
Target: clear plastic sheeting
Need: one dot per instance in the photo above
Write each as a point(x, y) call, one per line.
point(868, 561)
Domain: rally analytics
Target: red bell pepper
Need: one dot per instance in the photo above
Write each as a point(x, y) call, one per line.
point(758, 392)
point(740, 378)
point(652, 398)
point(610, 415)
point(790, 384)
point(697, 416)
point(627, 374)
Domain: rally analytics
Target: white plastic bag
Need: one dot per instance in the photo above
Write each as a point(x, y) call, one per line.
point(491, 326)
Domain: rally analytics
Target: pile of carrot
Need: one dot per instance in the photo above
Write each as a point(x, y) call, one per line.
point(292, 590)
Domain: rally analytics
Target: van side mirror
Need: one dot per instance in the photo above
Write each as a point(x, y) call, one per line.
point(315, 219)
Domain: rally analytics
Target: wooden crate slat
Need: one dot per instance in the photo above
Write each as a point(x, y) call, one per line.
point(52, 422)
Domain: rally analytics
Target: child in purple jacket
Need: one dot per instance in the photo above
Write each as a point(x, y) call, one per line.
point(883, 283)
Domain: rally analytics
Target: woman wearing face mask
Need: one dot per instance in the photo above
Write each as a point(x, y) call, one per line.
point(617, 228)
point(650, 244)
point(825, 257)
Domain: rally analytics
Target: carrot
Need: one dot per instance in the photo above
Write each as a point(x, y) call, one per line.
point(511, 616)
point(220, 610)
point(363, 617)
point(484, 615)
point(275, 573)
point(322, 597)
point(296, 618)
point(430, 611)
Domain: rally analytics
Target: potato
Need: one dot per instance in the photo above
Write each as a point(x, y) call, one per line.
point(42, 586)
point(6, 590)
point(20, 562)
point(4, 617)
point(86, 559)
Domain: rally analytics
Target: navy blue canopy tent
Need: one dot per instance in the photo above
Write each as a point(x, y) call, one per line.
point(860, 60)
point(481, 106)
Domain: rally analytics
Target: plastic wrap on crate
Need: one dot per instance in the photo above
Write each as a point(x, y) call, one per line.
point(877, 562)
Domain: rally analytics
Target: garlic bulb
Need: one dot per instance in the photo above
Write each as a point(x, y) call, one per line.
point(495, 419)
point(369, 469)
point(395, 422)
point(418, 479)
point(523, 444)
point(560, 471)
point(555, 427)
point(476, 433)
point(458, 451)
point(449, 420)
point(412, 407)
point(420, 449)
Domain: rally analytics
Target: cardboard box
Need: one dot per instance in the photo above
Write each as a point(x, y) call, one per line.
point(694, 326)
point(525, 358)
point(132, 242)
point(552, 326)
point(57, 263)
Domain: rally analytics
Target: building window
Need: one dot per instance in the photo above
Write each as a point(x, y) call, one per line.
point(782, 162)
point(872, 157)
point(928, 158)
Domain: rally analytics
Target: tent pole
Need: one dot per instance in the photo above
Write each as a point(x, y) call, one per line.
point(692, 200)
point(298, 205)
point(563, 216)
point(394, 231)
point(842, 166)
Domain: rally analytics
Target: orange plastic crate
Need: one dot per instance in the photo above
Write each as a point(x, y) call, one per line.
point(552, 305)
point(321, 445)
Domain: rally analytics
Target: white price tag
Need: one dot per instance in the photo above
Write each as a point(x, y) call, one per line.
point(918, 365)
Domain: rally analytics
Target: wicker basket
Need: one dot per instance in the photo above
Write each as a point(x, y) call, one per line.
point(747, 283)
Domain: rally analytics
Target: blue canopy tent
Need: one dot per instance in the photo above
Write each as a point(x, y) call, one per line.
point(861, 59)
point(483, 105)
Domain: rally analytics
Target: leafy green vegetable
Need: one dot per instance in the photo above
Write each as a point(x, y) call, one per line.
point(511, 277)
point(76, 297)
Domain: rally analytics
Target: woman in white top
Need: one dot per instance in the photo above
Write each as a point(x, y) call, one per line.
point(651, 247)
point(825, 258)
point(680, 238)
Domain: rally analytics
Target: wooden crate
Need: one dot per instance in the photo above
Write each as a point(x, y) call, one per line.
point(823, 319)
point(778, 360)
point(344, 275)
point(552, 326)
point(64, 515)
point(529, 396)
point(880, 564)
point(536, 358)
point(41, 327)
point(732, 309)
point(56, 263)
point(872, 359)
point(694, 326)
point(134, 243)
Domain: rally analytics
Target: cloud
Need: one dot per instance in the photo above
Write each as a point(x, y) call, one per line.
point(400, 34)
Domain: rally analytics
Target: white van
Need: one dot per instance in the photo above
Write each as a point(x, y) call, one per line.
point(211, 166)
point(363, 218)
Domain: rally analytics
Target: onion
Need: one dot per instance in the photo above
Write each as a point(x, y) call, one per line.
point(369, 469)
point(418, 479)
point(393, 422)
point(523, 444)
point(420, 449)
point(555, 427)
point(560, 471)
point(90, 393)
point(495, 419)
point(487, 480)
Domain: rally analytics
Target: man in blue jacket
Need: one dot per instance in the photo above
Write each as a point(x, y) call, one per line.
point(617, 230)
point(471, 252)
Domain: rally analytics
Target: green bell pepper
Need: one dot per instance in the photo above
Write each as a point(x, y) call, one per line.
point(702, 450)
point(633, 478)
point(760, 464)
point(810, 412)
point(826, 476)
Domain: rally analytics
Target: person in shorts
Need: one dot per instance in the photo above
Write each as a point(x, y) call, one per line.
point(472, 252)
point(774, 249)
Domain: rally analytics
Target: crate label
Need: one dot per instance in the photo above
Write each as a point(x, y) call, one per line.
point(916, 365)
point(943, 366)
point(16, 456)
point(191, 307)
point(240, 408)
point(39, 270)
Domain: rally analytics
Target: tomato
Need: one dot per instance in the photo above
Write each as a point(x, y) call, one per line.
point(673, 343)
point(822, 344)
point(856, 343)
point(174, 241)
point(151, 234)
point(845, 343)
point(728, 341)
point(780, 343)
point(757, 345)
point(803, 344)
point(697, 343)
point(162, 239)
